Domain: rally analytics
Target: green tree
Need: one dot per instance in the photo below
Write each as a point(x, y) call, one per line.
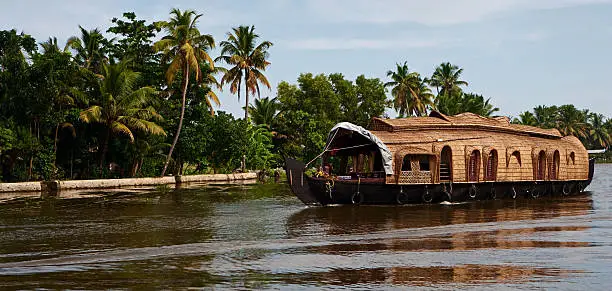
point(7, 139)
point(136, 42)
point(598, 133)
point(608, 127)
point(315, 104)
point(546, 116)
point(476, 103)
point(185, 47)
point(135, 45)
point(360, 100)
point(54, 74)
point(90, 49)
point(248, 60)
point(228, 142)
point(459, 102)
point(410, 94)
point(571, 121)
point(447, 78)
point(50, 47)
point(14, 71)
point(264, 111)
point(122, 107)
point(422, 98)
point(526, 118)
point(259, 155)
point(143, 149)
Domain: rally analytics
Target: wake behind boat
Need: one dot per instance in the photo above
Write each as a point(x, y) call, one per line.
point(441, 158)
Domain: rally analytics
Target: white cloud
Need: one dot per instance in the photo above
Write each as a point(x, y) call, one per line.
point(358, 43)
point(431, 12)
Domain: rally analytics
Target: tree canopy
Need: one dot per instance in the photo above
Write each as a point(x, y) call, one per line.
point(142, 99)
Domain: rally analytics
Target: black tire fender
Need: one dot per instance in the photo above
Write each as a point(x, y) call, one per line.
point(401, 198)
point(357, 198)
point(535, 192)
point(473, 192)
point(513, 193)
point(567, 189)
point(427, 197)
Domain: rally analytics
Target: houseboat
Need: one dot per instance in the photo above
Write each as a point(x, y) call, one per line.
point(441, 158)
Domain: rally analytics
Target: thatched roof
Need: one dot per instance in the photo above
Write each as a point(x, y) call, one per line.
point(467, 120)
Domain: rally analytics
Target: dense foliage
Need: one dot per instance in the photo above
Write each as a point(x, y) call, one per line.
point(593, 129)
point(113, 106)
point(141, 97)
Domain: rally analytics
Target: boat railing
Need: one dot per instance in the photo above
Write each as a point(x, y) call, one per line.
point(414, 177)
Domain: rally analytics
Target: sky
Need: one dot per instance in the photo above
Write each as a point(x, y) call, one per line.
point(519, 53)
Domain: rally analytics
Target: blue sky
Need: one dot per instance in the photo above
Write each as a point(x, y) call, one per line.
point(520, 53)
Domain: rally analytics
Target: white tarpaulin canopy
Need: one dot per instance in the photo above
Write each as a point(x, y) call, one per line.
point(384, 151)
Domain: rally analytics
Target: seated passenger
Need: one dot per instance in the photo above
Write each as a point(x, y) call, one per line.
point(327, 169)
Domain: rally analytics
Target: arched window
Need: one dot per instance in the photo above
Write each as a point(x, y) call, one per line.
point(446, 164)
point(572, 158)
point(554, 168)
point(490, 173)
point(515, 158)
point(473, 166)
point(541, 166)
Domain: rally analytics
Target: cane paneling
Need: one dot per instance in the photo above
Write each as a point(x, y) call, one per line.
point(463, 141)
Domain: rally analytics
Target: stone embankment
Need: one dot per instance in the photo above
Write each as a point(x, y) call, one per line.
point(58, 186)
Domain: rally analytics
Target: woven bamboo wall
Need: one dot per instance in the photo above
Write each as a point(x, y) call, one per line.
point(414, 177)
point(462, 142)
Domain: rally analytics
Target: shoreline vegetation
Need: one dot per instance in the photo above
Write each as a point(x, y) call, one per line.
point(139, 100)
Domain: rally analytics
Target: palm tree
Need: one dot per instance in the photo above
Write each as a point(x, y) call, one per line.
point(449, 104)
point(526, 118)
point(546, 116)
point(204, 88)
point(122, 108)
point(422, 99)
point(476, 103)
point(185, 48)
point(608, 127)
point(51, 47)
point(459, 102)
point(447, 77)
point(248, 60)
point(598, 132)
point(89, 49)
point(405, 85)
point(264, 112)
point(570, 121)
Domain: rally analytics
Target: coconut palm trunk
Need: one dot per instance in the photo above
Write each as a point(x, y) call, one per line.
point(246, 94)
point(180, 125)
point(55, 144)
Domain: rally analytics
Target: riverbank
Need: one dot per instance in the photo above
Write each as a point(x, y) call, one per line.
point(54, 187)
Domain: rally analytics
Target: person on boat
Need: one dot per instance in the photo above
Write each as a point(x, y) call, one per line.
point(327, 169)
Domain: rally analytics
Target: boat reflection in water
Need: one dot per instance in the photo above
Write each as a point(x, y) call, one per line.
point(439, 244)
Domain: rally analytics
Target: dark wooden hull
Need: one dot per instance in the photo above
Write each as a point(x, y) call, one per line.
point(351, 193)
point(314, 191)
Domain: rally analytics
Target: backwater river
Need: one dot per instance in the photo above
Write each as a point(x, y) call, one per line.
point(261, 237)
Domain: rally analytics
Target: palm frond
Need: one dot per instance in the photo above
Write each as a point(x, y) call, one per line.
point(120, 128)
point(142, 125)
point(91, 114)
